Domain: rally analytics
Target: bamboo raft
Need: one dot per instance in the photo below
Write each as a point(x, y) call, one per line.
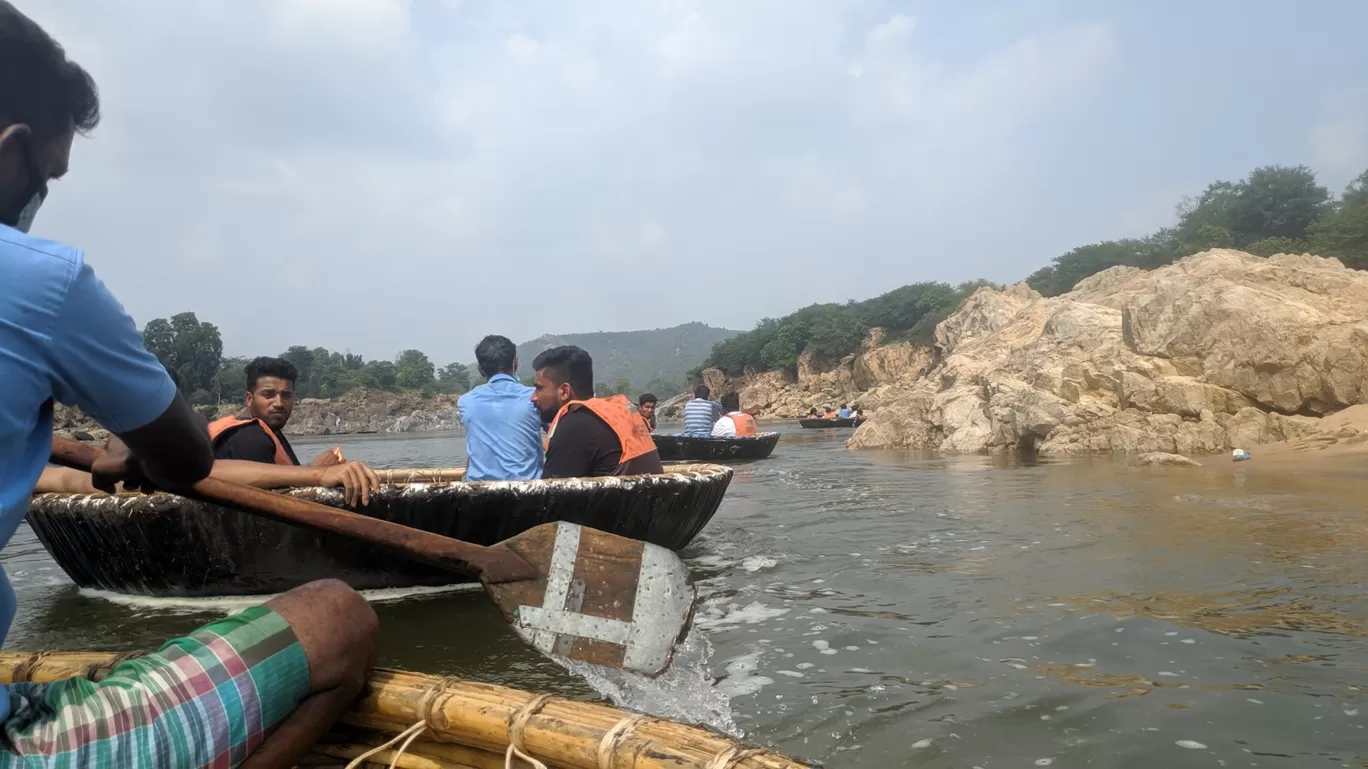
point(677, 447)
point(165, 545)
point(456, 724)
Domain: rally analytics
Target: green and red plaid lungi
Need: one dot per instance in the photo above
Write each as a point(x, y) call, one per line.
point(205, 700)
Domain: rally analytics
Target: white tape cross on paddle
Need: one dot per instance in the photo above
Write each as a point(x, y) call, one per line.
point(663, 600)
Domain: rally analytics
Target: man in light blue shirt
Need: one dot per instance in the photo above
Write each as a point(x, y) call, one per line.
point(844, 412)
point(503, 430)
point(700, 414)
point(65, 338)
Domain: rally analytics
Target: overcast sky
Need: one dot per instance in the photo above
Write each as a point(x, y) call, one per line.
point(381, 174)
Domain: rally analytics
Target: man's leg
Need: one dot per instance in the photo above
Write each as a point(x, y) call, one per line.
point(337, 629)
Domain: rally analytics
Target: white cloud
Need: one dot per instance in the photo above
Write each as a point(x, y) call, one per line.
point(380, 174)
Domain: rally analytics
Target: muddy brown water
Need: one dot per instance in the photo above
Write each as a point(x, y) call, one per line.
point(898, 610)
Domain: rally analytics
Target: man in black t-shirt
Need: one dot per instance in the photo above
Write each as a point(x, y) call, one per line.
point(270, 401)
point(587, 441)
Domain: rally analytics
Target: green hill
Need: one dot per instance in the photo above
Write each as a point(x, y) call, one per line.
point(657, 360)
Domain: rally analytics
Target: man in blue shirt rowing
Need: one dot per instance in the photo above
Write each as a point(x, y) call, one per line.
point(255, 689)
point(503, 430)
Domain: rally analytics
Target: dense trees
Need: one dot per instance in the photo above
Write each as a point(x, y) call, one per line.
point(832, 330)
point(1275, 209)
point(194, 349)
point(187, 346)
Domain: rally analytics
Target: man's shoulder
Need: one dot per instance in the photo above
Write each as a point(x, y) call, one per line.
point(29, 259)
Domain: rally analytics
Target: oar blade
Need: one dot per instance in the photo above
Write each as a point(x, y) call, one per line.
point(603, 599)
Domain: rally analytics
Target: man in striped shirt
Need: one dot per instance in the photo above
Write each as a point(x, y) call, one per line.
point(700, 413)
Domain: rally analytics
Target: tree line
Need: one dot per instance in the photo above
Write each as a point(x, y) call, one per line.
point(1275, 209)
point(829, 331)
point(194, 349)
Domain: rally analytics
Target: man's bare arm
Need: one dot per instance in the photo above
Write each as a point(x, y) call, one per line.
point(172, 451)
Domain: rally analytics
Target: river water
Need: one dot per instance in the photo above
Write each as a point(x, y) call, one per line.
point(897, 610)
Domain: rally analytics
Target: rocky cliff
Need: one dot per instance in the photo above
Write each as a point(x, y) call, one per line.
point(855, 379)
point(1217, 350)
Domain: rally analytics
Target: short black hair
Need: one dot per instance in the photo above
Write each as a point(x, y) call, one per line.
point(646, 398)
point(731, 402)
point(568, 363)
point(702, 391)
point(39, 85)
point(276, 367)
point(495, 355)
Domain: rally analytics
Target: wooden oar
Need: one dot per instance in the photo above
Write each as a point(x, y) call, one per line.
point(566, 589)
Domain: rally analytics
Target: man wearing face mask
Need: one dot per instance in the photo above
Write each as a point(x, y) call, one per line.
point(297, 661)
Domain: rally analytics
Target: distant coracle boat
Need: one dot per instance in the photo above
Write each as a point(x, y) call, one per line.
point(818, 423)
point(675, 447)
point(458, 724)
point(165, 545)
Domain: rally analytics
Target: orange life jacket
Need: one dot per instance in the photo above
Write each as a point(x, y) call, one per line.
point(220, 426)
point(745, 424)
point(631, 430)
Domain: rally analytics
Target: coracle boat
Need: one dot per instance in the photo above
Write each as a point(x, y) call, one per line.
point(165, 545)
point(416, 721)
point(847, 422)
point(756, 446)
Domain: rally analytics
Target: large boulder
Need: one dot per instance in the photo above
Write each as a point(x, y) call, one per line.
point(1220, 349)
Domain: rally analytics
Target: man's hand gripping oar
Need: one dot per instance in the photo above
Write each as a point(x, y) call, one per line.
point(567, 590)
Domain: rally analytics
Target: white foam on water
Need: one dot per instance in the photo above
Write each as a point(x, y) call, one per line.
point(232, 604)
point(919, 744)
point(684, 692)
point(741, 679)
point(1190, 745)
point(757, 562)
point(717, 617)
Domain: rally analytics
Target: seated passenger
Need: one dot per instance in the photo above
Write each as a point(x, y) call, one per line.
point(700, 414)
point(646, 406)
point(845, 412)
point(357, 480)
point(828, 413)
point(735, 423)
point(261, 437)
point(503, 431)
point(589, 436)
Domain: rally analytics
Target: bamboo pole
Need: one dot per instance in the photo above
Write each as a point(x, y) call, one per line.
point(468, 722)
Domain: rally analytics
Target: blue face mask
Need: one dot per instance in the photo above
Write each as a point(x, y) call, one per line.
point(37, 184)
point(30, 211)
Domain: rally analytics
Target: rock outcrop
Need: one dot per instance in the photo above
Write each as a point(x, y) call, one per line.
point(854, 379)
point(1220, 349)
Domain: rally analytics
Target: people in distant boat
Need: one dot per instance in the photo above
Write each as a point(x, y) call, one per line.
point(844, 412)
point(859, 413)
point(812, 413)
point(828, 412)
point(589, 436)
point(270, 402)
point(700, 413)
point(503, 429)
point(735, 423)
point(646, 406)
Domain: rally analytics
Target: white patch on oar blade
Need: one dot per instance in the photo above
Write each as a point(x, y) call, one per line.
point(663, 600)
